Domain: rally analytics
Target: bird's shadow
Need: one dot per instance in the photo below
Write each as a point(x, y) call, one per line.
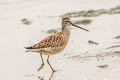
point(39, 77)
point(51, 76)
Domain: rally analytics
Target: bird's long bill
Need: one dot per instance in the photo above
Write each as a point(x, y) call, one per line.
point(80, 27)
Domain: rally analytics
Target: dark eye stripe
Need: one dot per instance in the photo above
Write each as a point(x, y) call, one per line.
point(68, 22)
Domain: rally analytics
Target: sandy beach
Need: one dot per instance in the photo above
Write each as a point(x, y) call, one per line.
point(81, 59)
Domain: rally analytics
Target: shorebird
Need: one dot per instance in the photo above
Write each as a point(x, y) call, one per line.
point(55, 43)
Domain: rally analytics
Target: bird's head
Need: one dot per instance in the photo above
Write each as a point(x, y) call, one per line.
point(66, 22)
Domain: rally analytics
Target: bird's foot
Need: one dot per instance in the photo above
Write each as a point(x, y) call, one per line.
point(53, 71)
point(40, 67)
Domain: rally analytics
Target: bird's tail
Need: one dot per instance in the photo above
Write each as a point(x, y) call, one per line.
point(31, 49)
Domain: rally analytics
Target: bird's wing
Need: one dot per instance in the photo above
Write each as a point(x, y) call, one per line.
point(51, 42)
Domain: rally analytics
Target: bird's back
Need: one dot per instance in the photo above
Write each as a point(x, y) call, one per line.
point(50, 45)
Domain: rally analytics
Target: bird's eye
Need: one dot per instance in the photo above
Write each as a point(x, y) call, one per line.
point(67, 21)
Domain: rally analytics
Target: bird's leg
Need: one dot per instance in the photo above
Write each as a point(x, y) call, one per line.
point(50, 65)
point(42, 63)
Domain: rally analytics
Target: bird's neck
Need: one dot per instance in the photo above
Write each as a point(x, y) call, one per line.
point(66, 30)
point(66, 33)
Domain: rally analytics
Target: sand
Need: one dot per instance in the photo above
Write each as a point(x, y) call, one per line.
point(79, 60)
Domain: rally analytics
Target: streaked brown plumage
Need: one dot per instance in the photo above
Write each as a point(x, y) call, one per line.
point(55, 43)
point(50, 45)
